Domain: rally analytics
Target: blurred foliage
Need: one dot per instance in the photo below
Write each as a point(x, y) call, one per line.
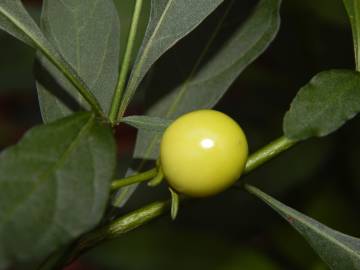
point(16, 64)
point(320, 177)
point(178, 249)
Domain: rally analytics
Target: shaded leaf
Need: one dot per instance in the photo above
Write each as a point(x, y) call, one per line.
point(148, 123)
point(54, 186)
point(207, 83)
point(170, 21)
point(87, 34)
point(338, 250)
point(15, 20)
point(323, 105)
point(353, 11)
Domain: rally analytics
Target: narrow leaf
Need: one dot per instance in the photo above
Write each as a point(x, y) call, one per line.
point(323, 105)
point(15, 20)
point(203, 85)
point(54, 185)
point(170, 21)
point(338, 250)
point(353, 11)
point(87, 34)
point(147, 123)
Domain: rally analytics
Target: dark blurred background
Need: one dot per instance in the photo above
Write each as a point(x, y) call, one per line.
point(319, 177)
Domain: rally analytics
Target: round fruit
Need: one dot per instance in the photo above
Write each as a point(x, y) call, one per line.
point(202, 153)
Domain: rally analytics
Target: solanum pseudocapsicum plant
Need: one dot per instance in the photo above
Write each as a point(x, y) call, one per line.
point(55, 184)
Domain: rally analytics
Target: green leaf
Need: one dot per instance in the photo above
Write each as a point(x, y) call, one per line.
point(205, 84)
point(15, 20)
point(148, 123)
point(338, 250)
point(54, 185)
point(353, 11)
point(87, 34)
point(323, 105)
point(170, 21)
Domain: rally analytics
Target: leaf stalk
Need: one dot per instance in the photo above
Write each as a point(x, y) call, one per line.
point(138, 178)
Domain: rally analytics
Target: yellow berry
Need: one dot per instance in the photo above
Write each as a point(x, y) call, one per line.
point(202, 153)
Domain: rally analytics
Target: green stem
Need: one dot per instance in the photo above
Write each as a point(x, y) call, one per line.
point(115, 229)
point(141, 177)
point(157, 179)
point(115, 106)
point(267, 153)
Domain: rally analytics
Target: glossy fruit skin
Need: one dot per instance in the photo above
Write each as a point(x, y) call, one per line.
point(203, 153)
